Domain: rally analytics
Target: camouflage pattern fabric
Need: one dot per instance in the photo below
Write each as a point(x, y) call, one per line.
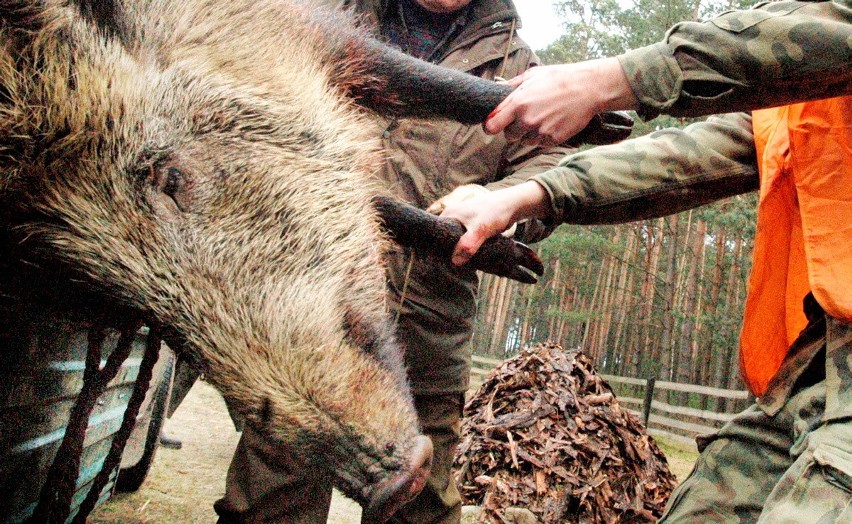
point(788, 458)
point(735, 62)
point(838, 373)
point(741, 60)
point(655, 175)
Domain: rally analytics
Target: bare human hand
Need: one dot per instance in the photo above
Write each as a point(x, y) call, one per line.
point(489, 214)
point(553, 103)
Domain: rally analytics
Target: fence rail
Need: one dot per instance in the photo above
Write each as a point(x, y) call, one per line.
point(677, 422)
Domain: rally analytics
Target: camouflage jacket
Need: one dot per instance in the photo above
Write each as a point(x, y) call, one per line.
point(774, 54)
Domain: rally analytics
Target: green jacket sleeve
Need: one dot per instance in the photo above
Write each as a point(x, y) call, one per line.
point(778, 53)
point(655, 175)
point(775, 54)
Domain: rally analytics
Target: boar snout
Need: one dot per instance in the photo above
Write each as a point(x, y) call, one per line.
point(389, 496)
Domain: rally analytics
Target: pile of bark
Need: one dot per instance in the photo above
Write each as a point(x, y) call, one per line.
point(545, 432)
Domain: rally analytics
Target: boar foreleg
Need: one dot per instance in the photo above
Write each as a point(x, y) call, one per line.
point(412, 227)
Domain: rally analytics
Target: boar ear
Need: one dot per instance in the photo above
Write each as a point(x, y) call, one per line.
point(25, 18)
point(106, 15)
point(19, 16)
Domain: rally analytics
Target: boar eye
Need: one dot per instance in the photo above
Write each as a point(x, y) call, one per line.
point(173, 181)
point(167, 186)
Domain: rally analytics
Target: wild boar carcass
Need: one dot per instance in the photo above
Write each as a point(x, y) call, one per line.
point(208, 164)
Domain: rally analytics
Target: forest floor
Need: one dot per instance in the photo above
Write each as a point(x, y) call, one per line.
point(183, 484)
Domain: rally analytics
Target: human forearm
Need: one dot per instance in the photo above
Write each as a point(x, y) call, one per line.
point(651, 176)
point(655, 175)
point(780, 53)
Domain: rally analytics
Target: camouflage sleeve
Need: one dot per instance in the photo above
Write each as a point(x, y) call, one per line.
point(655, 175)
point(775, 54)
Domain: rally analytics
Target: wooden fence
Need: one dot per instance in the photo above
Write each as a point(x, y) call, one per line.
point(666, 408)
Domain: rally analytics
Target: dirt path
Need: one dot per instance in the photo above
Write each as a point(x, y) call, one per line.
point(183, 484)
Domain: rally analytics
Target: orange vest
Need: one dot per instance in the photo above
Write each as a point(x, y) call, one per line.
point(804, 229)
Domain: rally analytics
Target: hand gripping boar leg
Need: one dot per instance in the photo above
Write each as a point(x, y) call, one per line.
point(208, 164)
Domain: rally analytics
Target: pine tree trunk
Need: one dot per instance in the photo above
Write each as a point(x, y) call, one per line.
point(713, 361)
point(526, 328)
point(499, 304)
point(650, 350)
point(684, 362)
point(591, 307)
point(554, 288)
point(623, 302)
point(665, 344)
point(601, 336)
point(699, 360)
point(731, 351)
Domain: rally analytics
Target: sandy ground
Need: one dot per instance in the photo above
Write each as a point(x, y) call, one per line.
point(183, 484)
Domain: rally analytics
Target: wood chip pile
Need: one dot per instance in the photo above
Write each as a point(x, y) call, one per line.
point(544, 432)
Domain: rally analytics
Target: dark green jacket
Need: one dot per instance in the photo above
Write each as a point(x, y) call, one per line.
point(426, 159)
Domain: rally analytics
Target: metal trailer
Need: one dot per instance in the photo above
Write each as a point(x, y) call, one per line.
point(43, 361)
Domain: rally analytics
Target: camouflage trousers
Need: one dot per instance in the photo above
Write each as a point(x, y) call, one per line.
point(787, 458)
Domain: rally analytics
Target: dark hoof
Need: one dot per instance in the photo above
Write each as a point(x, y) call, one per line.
point(400, 490)
point(504, 257)
point(428, 233)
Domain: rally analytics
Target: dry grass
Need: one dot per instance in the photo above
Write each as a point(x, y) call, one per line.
point(680, 457)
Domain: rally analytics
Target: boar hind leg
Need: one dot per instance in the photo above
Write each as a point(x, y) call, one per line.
point(393, 83)
point(403, 85)
point(387, 81)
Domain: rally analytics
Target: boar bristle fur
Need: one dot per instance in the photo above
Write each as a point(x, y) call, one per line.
point(207, 164)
